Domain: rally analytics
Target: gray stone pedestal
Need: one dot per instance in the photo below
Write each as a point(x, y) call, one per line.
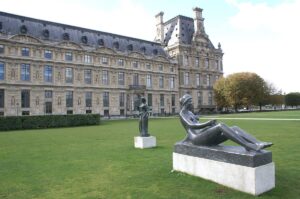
point(231, 166)
point(144, 142)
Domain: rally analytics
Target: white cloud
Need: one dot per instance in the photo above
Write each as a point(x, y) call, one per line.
point(126, 17)
point(265, 40)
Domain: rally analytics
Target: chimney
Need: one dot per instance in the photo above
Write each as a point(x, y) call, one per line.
point(198, 21)
point(159, 27)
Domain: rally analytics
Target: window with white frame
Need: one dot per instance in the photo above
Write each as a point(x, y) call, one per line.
point(210, 100)
point(88, 76)
point(172, 82)
point(122, 99)
point(186, 78)
point(48, 71)
point(198, 79)
point(206, 63)
point(160, 67)
point(120, 62)
point(106, 99)
point(88, 99)
point(2, 71)
point(1, 49)
point(25, 72)
point(68, 56)
point(135, 64)
point(161, 81)
point(104, 60)
point(87, 59)
point(149, 80)
point(105, 77)
point(208, 78)
point(121, 78)
point(48, 54)
point(148, 66)
point(25, 51)
point(69, 75)
point(135, 79)
point(197, 62)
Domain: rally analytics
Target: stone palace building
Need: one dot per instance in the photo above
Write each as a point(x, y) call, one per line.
point(53, 68)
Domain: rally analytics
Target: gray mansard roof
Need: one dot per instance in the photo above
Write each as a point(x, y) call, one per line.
point(180, 29)
point(11, 24)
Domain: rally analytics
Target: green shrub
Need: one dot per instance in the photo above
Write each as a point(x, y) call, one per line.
point(47, 121)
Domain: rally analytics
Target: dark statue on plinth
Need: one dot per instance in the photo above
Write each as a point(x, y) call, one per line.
point(212, 133)
point(144, 114)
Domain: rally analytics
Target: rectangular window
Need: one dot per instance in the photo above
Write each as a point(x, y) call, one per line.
point(185, 60)
point(48, 54)
point(197, 62)
point(122, 99)
point(208, 78)
point(25, 52)
point(1, 98)
point(135, 64)
point(162, 99)
point(1, 49)
point(48, 73)
point(171, 69)
point(149, 81)
point(120, 62)
point(217, 64)
point(148, 66)
point(48, 107)
point(87, 59)
point(88, 99)
point(121, 78)
point(88, 76)
point(173, 100)
point(69, 99)
point(209, 98)
point(69, 75)
point(25, 98)
point(161, 81)
point(68, 56)
point(160, 67)
point(25, 72)
point(149, 99)
point(135, 79)
point(48, 94)
point(199, 96)
point(186, 78)
point(206, 63)
point(106, 99)
point(105, 77)
point(197, 79)
point(2, 71)
point(104, 60)
point(172, 82)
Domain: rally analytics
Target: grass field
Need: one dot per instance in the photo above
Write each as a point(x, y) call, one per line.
point(101, 161)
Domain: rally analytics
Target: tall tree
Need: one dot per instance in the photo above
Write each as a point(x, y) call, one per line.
point(241, 89)
point(292, 99)
point(220, 93)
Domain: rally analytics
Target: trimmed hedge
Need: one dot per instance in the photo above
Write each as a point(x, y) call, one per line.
point(47, 121)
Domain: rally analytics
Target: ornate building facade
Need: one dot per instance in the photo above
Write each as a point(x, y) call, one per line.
point(52, 68)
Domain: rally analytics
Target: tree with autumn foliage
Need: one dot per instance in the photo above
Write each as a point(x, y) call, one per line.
point(240, 89)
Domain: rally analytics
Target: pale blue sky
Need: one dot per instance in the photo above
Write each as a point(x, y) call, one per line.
point(259, 36)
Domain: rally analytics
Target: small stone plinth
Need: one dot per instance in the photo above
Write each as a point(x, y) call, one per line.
point(144, 142)
point(232, 166)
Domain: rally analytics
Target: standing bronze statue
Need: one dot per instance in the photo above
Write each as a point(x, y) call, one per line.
point(144, 114)
point(212, 133)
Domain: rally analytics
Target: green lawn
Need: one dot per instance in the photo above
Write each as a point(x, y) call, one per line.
point(101, 161)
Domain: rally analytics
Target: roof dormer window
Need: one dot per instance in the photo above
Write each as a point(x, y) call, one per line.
point(23, 29)
point(66, 36)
